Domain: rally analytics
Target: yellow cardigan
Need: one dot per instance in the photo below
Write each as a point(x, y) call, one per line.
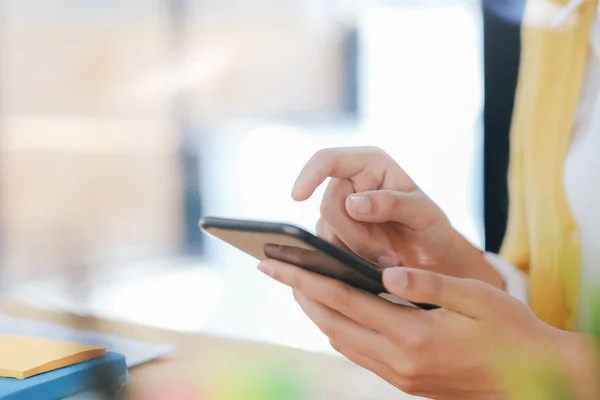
point(542, 237)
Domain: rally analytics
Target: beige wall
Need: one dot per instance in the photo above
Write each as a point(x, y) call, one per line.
point(253, 65)
point(86, 189)
point(88, 150)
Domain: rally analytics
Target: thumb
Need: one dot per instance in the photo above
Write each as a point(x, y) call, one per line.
point(378, 206)
point(470, 297)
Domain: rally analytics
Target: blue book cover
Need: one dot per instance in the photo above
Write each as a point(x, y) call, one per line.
point(64, 382)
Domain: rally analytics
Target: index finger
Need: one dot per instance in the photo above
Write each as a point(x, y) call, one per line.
point(342, 163)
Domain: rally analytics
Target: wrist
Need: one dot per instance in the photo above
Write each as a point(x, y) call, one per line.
point(469, 262)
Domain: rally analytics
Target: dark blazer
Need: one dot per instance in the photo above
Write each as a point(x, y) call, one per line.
point(502, 47)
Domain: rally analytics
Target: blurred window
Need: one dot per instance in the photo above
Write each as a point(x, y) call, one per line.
point(122, 122)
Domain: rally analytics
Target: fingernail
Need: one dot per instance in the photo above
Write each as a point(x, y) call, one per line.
point(360, 204)
point(388, 261)
point(398, 277)
point(266, 269)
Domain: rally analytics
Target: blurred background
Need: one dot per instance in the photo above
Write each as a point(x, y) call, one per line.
point(122, 123)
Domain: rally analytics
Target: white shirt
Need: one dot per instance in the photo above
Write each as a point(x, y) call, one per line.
point(582, 178)
point(582, 185)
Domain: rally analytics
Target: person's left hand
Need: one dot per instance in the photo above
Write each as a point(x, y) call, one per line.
point(441, 354)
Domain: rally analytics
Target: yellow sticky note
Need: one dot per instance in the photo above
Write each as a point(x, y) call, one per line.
point(22, 357)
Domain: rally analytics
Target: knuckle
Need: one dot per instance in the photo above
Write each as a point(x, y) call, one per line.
point(416, 342)
point(374, 150)
point(377, 155)
point(380, 155)
point(426, 221)
point(408, 386)
point(431, 214)
point(394, 199)
point(410, 371)
point(329, 328)
point(397, 365)
point(407, 373)
point(370, 179)
point(327, 156)
point(392, 202)
point(325, 153)
point(298, 297)
point(335, 345)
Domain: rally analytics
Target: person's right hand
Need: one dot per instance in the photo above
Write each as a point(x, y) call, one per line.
point(372, 207)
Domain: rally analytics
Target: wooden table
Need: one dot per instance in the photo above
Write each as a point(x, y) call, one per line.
point(198, 358)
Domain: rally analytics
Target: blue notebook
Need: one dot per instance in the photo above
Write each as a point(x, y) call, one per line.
point(63, 382)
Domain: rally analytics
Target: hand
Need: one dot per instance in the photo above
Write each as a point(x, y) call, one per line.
point(372, 207)
point(446, 353)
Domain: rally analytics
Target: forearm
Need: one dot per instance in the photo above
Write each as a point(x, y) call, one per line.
point(470, 262)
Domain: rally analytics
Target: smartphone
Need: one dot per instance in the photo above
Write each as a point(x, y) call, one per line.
point(294, 245)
